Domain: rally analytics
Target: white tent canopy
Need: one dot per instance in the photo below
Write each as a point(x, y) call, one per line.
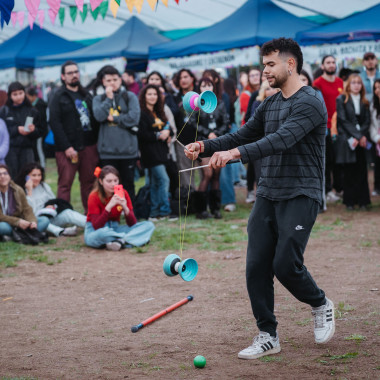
point(188, 14)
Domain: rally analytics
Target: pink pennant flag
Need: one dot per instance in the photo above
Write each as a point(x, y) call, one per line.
point(53, 10)
point(14, 18)
point(31, 21)
point(20, 18)
point(41, 17)
point(95, 4)
point(32, 6)
point(79, 4)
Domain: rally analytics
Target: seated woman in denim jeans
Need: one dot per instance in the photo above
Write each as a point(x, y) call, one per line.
point(15, 210)
point(103, 228)
point(154, 135)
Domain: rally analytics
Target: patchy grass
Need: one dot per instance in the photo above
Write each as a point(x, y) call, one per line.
point(342, 309)
point(268, 359)
point(356, 337)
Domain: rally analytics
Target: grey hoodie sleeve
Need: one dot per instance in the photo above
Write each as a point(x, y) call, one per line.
point(101, 109)
point(132, 116)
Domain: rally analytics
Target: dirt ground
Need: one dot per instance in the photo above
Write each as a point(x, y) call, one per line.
point(72, 320)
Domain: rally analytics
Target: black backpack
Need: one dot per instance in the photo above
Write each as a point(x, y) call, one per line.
point(141, 205)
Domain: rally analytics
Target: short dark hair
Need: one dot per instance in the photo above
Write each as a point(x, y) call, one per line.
point(32, 91)
point(307, 76)
point(130, 72)
point(369, 55)
point(284, 46)
point(108, 70)
point(16, 86)
point(159, 75)
point(67, 63)
point(327, 56)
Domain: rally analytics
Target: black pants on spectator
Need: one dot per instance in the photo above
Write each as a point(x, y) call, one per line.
point(356, 190)
point(126, 168)
point(377, 173)
point(277, 236)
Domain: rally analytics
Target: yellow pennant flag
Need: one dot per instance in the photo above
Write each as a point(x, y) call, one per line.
point(165, 2)
point(130, 4)
point(114, 6)
point(138, 5)
point(152, 4)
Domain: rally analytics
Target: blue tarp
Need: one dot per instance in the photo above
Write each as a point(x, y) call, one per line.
point(358, 27)
point(22, 50)
point(131, 40)
point(256, 22)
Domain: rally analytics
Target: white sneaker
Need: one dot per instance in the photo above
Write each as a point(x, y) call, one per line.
point(324, 323)
point(231, 207)
point(263, 344)
point(70, 231)
point(332, 197)
point(251, 197)
point(113, 246)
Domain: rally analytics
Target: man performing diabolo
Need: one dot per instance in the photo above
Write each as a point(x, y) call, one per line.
point(287, 133)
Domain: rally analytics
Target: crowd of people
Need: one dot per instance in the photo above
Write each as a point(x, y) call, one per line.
point(116, 129)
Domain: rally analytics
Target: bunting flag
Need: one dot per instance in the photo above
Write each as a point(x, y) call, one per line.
point(73, 13)
point(21, 18)
point(130, 4)
point(30, 20)
point(114, 6)
point(95, 4)
point(41, 17)
point(14, 18)
point(165, 2)
point(61, 15)
point(32, 6)
point(103, 8)
point(79, 4)
point(53, 9)
point(152, 4)
point(138, 5)
point(6, 7)
point(83, 14)
point(95, 13)
point(177, 1)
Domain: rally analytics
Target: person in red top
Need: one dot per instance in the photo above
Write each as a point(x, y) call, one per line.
point(254, 81)
point(331, 87)
point(103, 226)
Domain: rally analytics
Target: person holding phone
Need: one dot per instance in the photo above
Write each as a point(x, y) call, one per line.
point(24, 128)
point(106, 203)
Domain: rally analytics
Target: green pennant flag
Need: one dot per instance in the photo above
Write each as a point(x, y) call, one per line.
point(95, 13)
point(103, 8)
point(73, 12)
point(83, 14)
point(61, 15)
point(118, 2)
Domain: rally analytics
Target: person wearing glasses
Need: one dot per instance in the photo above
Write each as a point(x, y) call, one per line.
point(75, 134)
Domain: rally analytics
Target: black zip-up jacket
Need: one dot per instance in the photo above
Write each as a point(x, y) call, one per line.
point(15, 116)
point(66, 125)
point(153, 151)
point(216, 122)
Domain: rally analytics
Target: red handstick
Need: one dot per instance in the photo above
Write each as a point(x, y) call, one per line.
point(161, 313)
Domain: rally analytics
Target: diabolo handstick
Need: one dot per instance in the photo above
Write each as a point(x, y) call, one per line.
point(183, 146)
point(136, 328)
point(205, 166)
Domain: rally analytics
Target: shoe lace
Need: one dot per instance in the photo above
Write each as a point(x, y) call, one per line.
point(318, 318)
point(260, 339)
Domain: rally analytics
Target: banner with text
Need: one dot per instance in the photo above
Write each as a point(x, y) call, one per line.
point(199, 62)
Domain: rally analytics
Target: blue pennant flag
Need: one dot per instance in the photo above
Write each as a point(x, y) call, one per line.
point(6, 7)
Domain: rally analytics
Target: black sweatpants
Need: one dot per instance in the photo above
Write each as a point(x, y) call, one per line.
point(277, 236)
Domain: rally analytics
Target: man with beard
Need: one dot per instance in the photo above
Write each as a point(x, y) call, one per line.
point(75, 134)
point(287, 132)
point(331, 86)
point(370, 74)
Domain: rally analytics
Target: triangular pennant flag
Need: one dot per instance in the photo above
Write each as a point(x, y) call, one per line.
point(73, 12)
point(31, 20)
point(6, 7)
point(177, 1)
point(138, 5)
point(103, 8)
point(53, 9)
point(32, 6)
point(20, 18)
point(61, 15)
point(130, 4)
point(95, 13)
point(83, 14)
point(152, 4)
point(165, 2)
point(79, 4)
point(114, 6)
point(95, 4)
point(41, 17)
point(14, 18)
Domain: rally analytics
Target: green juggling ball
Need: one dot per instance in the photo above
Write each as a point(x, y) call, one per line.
point(199, 361)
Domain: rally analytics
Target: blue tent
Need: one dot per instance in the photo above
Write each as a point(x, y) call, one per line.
point(131, 40)
point(22, 50)
point(256, 22)
point(360, 26)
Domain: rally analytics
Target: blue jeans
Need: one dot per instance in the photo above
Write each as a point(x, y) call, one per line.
point(159, 191)
point(42, 223)
point(136, 235)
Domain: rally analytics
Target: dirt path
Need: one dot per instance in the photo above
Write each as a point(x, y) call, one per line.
point(72, 320)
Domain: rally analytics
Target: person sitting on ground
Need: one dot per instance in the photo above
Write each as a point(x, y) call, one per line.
point(104, 210)
point(43, 201)
point(15, 210)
